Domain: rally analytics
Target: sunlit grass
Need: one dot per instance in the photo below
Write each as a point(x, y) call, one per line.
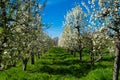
point(57, 64)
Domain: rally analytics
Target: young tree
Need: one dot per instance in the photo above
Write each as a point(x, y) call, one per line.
point(77, 19)
point(108, 13)
point(68, 39)
point(31, 23)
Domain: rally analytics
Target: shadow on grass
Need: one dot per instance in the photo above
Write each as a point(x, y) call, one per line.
point(64, 67)
point(108, 59)
point(56, 56)
point(66, 62)
point(69, 67)
point(71, 70)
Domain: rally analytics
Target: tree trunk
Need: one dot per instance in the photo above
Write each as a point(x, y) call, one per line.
point(0, 57)
point(99, 58)
point(92, 58)
point(117, 60)
point(24, 67)
point(32, 61)
point(14, 64)
point(24, 63)
point(71, 52)
point(80, 55)
point(3, 25)
point(67, 50)
point(38, 55)
point(91, 52)
point(79, 42)
point(74, 54)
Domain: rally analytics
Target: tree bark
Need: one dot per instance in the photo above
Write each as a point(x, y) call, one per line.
point(0, 57)
point(38, 55)
point(99, 58)
point(71, 52)
point(91, 52)
point(79, 43)
point(25, 63)
point(92, 58)
point(14, 64)
point(117, 59)
point(3, 25)
point(32, 61)
point(74, 54)
point(80, 55)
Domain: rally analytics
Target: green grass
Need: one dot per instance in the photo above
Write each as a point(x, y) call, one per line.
point(57, 64)
point(1, 30)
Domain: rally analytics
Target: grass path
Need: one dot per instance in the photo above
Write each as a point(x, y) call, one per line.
point(57, 64)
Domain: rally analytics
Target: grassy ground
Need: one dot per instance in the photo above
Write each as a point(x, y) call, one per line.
point(57, 64)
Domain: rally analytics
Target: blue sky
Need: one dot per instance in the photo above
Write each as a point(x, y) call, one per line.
point(54, 13)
